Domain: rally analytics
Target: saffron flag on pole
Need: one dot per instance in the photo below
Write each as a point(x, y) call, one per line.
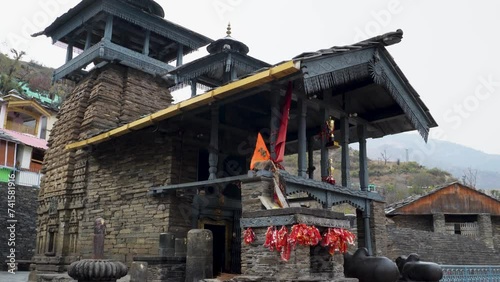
point(261, 153)
point(279, 147)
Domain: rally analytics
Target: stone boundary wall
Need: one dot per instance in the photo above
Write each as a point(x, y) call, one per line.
point(25, 210)
point(439, 248)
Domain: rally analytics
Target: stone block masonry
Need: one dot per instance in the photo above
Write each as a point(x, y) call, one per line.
point(121, 176)
point(25, 232)
point(110, 180)
point(439, 248)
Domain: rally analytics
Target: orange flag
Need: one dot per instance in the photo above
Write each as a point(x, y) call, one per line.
point(261, 153)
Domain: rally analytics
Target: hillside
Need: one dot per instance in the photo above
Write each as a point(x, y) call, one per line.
point(455, 158)
point(394, 180)
point(31, 79)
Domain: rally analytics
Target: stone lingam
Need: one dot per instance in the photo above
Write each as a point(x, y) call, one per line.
point(98, 268)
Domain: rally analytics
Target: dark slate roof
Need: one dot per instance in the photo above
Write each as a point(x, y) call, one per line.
point(314, 84)
point(392, 207)
point(287, 177)
point(386, 39)
point(149, 7)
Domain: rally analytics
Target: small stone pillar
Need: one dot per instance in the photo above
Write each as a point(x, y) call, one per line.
point(378, 228)
point(167, 245)
point(199, 258)
point(439, 223)
point(485, 229)
point(180, 247)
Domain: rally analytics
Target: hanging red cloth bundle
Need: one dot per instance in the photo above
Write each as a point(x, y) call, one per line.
point(337, 239)
point(303, 234)
point(271, 238)
point(283, 244)
point(248, 236)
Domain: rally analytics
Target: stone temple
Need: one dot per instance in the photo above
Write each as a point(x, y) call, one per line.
point(122, 151)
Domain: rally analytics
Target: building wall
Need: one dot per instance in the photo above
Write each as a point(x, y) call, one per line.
point(416, 222)
point(120, 174)
point(439, 248)
point(25, 228)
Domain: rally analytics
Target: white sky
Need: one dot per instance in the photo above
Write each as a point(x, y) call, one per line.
point(449, 52)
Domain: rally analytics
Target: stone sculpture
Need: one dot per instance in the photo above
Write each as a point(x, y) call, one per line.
point(368, 268)
point(99, 232)
point(412, 269)
point(97, 269)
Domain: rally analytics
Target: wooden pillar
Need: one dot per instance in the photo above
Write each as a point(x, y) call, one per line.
point(366, 223)
point(193, 87)
point(275, 120)
point(108, 30)
point(180, 54)
point(147, 38)
point(88, 39)
point(69, 52)
point(213, 156)
point(310, 157)
point(344, 142)
point(324, 150)
point(363, 161)
point(302, 138)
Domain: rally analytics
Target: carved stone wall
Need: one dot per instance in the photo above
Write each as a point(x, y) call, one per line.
point(104, 99)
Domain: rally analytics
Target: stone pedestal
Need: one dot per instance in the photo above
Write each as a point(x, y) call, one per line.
point(90, 270)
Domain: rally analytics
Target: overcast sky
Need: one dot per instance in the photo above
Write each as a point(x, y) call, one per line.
point(449, 52)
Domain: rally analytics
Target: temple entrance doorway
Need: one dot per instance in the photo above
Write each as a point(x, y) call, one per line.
point(221, 231)
point(219, 247)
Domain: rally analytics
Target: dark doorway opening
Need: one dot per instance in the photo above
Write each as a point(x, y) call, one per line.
point(203, 165)
point(219, 247)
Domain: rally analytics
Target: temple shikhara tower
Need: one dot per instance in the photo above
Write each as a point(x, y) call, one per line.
point(125, 50)
point(121, 150)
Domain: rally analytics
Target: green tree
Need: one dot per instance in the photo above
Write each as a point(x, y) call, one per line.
point(8, 80)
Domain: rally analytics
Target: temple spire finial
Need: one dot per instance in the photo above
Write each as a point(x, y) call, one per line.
point(228, 31)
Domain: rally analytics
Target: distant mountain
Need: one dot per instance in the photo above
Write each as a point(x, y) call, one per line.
point(452, 157)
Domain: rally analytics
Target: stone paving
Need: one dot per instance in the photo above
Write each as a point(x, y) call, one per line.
point(19, 276)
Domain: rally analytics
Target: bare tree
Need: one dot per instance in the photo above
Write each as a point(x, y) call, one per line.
point(385, 156)
point(469, 177)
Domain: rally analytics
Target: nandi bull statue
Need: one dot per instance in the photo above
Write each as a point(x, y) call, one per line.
point(414, 270)
point(368, 268)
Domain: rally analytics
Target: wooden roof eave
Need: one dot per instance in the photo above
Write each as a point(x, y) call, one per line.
point(255, 80)
point(322, 72)
point(88, 9)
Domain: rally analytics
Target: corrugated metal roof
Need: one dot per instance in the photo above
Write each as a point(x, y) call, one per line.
point(24, 139)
